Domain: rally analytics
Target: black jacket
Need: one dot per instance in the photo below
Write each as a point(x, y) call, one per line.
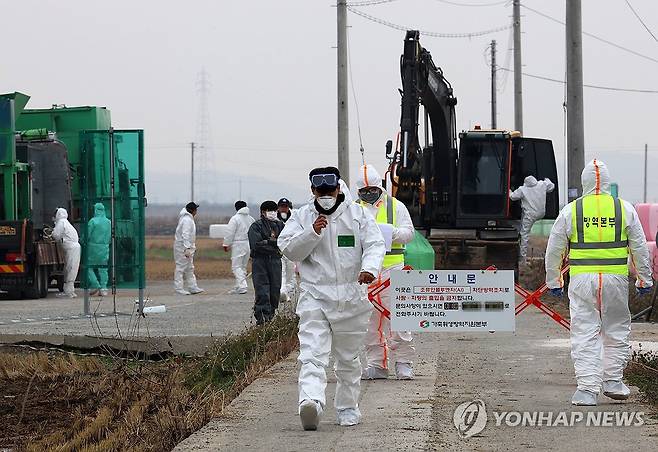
point(263, 234)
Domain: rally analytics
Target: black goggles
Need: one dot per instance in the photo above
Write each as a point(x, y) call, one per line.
point(326, 180)
point(371, 190)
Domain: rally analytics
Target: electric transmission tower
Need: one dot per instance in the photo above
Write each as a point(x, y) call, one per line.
point(204, 155)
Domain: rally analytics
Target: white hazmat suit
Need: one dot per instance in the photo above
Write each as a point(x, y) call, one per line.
point(236, 238)
point(600, 317)
point(380, 339)
point(333, 310)
point(288, 276)
point(66, 233)
point(288, 279)
point(184, 249)
point(533, 206)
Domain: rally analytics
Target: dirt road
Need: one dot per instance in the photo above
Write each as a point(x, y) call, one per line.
point(527, 371)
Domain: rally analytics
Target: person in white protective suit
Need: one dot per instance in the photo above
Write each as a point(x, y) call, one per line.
point(533, 207)
point(237, 242)
point(393, 218)
point(288, 277)
point(66, 233)
point(599, 233)
point(184, 249)
point(339, 247)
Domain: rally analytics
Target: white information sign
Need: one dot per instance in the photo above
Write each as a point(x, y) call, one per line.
point(452, 300)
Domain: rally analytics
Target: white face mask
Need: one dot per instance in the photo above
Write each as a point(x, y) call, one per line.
point(326, 202)
point(270, 215)
point(284, 215)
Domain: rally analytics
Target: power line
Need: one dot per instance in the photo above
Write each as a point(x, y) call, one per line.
point(356, 103)
point(380, 2)
point(641, 21)
point(473, 4)
point(607, 88)
point(250, 147)
point(370, 2)
point(432, 34)
point(508, 56)
point(598, 38)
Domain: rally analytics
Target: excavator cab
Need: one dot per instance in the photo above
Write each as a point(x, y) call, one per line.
point(483, 181)
point(493, 162)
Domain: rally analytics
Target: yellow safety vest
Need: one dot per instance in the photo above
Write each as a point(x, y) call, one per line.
point(387, 213)
point(598, 242)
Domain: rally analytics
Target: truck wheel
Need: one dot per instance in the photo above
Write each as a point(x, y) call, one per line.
point(45, 280)
point(14, 294)
point(60, 283)
point(39, 285)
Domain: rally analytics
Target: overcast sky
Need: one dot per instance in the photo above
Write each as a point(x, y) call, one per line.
point(272, 66)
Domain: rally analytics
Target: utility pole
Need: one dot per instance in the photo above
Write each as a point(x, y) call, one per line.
point(493, 84)
point(518, 83)
point(192, 178)
point(575, 113)
point(343, 124)
point(646, 158)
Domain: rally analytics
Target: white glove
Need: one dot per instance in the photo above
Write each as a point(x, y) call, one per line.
point(189, 252)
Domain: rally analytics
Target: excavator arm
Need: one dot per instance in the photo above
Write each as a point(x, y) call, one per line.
point(424, 178)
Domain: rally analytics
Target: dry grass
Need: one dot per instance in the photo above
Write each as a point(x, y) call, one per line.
point(57, 401)
point(24, 366)
point(210, 260)
point(643, 373)
point(160, 270)
point(204, 245)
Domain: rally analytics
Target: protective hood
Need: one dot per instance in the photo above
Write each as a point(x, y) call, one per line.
point(595, 178)
point(183, 212)
point(346, 191)
point(243, 211)
point(99, 210)
point(61, 214)
point(530, 181)
point(368, 177)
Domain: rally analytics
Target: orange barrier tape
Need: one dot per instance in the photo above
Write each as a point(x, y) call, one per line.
point(374, 290)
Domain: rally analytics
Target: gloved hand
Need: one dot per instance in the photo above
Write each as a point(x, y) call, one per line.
point(643, 290)
point(366, 277)
point(557, 292)
point(189, 252)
